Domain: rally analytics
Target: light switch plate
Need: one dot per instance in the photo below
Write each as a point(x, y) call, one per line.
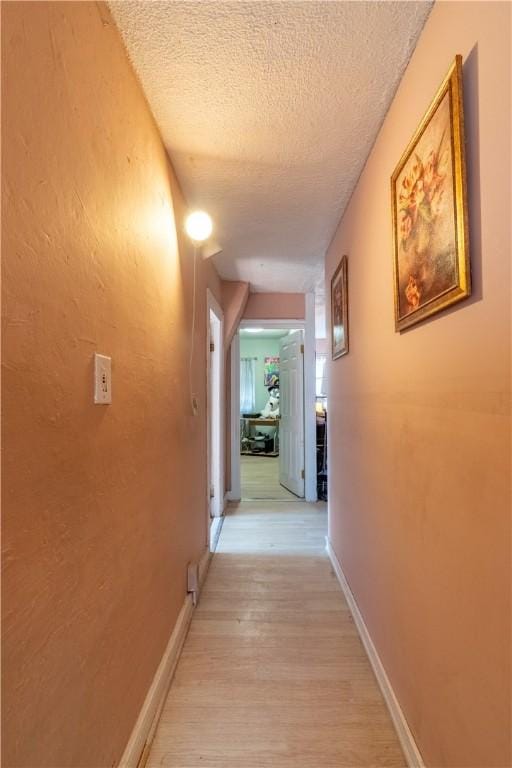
point(102, 379)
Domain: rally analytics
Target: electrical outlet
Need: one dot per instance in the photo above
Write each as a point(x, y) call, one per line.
point(102, 379)
point(193, 581)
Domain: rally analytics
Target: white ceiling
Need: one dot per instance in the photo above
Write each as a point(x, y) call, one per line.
point(263, 333)
point(268, 111)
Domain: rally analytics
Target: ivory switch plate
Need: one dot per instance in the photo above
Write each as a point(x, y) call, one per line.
point(102, 379)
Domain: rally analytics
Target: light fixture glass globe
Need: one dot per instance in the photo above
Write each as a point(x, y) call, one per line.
point(198, 226)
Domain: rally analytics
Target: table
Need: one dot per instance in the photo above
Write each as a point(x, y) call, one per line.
point(259, 422)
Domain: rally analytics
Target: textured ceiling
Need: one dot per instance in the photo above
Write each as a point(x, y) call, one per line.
point(268, 111)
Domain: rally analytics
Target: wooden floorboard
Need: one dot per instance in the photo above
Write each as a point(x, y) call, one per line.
point(273, 674)
point(259, 479)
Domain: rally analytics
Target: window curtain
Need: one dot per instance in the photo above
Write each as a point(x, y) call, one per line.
point(321, 371)
point(247, 385)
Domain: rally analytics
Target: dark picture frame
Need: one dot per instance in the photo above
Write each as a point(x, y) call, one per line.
point(339, 310)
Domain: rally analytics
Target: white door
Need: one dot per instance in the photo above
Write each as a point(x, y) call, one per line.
point(291, 407)
point(211, 417)
point(214, 375)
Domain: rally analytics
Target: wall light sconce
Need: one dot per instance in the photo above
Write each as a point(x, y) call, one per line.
point(198, 226)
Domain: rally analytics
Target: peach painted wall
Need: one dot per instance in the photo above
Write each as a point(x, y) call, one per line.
point(234, 299)
point(278, 306)
point(103, 506)
point(419, 423)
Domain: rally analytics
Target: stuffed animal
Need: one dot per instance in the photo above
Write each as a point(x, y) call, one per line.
point(271, 409)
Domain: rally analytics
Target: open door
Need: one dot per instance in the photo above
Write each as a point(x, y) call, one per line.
point(214, 411)
point(291, 404)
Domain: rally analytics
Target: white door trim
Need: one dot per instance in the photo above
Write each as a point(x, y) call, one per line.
point(308, 325)
point(310, 489)
point(235, 493)
point(215, 400)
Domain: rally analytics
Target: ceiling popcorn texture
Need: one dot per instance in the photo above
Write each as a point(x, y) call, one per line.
point(268, 111)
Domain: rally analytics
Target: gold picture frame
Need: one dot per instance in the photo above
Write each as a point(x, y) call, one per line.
point(429, 209)
point(339, 310)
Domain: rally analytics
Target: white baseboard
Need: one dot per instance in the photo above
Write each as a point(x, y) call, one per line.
point(147, 721)
point(407, 742)
point(204, 564)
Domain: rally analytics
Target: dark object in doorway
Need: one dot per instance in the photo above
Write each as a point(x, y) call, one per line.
point(321, 457)
point(261, 444)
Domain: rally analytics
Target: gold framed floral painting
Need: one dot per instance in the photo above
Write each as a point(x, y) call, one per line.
point(339, 310)
point(430, 227)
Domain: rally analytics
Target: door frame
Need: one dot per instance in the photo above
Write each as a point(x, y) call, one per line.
point(214, 411)
point(235, 492)
point(307, 324)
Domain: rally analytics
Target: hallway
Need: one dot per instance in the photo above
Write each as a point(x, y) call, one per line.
point(205, 204)
point(273, 672)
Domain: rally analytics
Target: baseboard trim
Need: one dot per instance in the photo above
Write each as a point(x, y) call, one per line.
point(137, 749)
point(407, 742)
point(204, 564)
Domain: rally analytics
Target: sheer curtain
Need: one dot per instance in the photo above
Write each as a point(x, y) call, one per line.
point(247, 385)
point(321, 379)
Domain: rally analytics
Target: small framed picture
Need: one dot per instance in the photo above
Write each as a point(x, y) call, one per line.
point(339, 310)
point(430, 220)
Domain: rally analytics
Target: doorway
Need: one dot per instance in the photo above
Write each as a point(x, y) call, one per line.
point(215, 452)
point(271, 413)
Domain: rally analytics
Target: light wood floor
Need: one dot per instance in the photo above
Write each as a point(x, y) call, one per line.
point(273, 674)
point(259, 479)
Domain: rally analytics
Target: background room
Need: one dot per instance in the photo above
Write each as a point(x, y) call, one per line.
point(260, 413)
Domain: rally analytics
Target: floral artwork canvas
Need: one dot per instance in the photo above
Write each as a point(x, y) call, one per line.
point(431, 260)
point(339, 310)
